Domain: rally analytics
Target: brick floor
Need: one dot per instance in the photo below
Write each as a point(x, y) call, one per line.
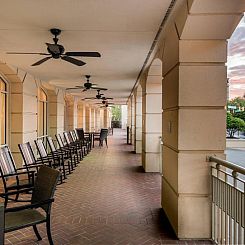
point(108, 200)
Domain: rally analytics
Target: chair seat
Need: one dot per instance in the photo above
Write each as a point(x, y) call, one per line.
point(23, 218)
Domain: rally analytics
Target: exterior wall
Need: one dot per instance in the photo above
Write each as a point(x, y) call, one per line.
point(23, 109)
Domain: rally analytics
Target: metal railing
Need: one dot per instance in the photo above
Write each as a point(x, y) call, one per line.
point(228, 184)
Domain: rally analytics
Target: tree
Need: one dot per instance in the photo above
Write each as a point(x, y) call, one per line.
point(240, 114)
point(238, 102)
point(116, 113)
point(234, 124)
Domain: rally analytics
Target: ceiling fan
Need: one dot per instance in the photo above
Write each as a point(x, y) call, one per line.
point(87, 85)
point(98, 96)
point(57, 51)
point(105, 103)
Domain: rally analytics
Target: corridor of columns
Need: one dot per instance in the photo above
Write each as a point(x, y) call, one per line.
point(165, 63)
point(108, 200)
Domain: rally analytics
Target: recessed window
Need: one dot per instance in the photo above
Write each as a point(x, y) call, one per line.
point(42, 112)
point(3, 111)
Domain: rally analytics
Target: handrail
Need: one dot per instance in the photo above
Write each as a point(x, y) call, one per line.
point(227, 164)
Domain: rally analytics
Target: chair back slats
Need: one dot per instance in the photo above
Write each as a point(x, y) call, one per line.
point(51, 144)
point(66, 136)
point(74, 135)
point(69, 134)
point(27, 153)
point(7, 164)
point(80, 133)
point(45, 184)
point(103, 133)
point(60, 143)
point(41, 148)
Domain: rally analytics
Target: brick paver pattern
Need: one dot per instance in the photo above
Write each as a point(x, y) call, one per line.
point(107, 200)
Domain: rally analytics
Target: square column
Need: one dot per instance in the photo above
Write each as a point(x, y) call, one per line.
point(87, 118)
point(138, 123)
point(80, 114)
point(152, 118)
point(194, 88)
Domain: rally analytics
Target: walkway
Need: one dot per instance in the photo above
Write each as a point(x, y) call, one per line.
point(108, 200)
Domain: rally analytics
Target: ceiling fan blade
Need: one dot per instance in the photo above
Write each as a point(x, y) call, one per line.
point(26, 53)
point(83, 54)
point(90, 98)
point(97, 88)
point(73, 61)
point(72, 88)
point(41, 61)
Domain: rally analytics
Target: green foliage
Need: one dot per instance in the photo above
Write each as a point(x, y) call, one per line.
point(240, 114)
point(238, 102)
point(116, 113)
point(234, 124)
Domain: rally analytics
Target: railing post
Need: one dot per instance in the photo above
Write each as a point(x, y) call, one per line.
point(228, 215)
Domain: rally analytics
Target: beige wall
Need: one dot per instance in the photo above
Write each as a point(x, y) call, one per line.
point(23, 108)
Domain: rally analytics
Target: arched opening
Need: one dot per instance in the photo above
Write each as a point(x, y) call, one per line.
point(42, 112)
point(152, 118)
point(3, 112)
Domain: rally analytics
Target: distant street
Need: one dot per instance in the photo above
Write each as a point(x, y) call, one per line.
point(236, 155)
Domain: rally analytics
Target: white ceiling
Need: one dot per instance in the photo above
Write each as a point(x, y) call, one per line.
point(121, 30)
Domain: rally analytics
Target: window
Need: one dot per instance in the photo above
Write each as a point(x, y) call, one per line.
point(3, 111)
point(42, 112)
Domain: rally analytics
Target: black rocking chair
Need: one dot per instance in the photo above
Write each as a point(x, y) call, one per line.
point(42, 197)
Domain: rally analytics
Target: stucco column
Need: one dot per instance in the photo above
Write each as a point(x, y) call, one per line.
point(105, 118)
point(133, 120)
point(152, 118)
point(80, 114)
point(138, 120)
point(55, 112)
point(129, 119)
point(87, 118)
point(92, 124)
point(194, 125)
point(97, 119)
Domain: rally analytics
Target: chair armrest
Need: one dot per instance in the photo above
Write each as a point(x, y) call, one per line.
point(19, 173)
point(29, 206)
point(16, 192)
